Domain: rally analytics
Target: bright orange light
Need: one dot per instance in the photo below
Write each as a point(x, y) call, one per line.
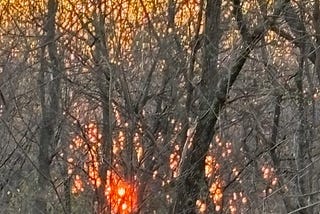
point(121, 191)
point(216, 192)
point(124, 206)
point(202, 207)
point(78, 185)
point(121, 195)
point(174, 160)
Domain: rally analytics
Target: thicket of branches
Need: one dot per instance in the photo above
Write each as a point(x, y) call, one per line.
point(202, 106)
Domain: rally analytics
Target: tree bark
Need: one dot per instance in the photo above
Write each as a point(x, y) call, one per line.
point(191, 173)
point(302, 145)
point(49, 88)
point(191, 179)
point(103, 79)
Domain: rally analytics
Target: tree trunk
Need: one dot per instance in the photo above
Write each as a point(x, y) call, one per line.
point(103, 75)
point(191, 182)
point(191, 178)
point(49, 86)
point(302, 144)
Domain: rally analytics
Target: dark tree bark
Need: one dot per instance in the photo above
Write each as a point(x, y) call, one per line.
point(49, 86)
point(191, 182)
point(302, 155)
point(316, 17)
point(191, 179)
point(103, 74)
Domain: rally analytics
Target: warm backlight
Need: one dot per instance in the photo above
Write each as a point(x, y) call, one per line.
point(120, 194)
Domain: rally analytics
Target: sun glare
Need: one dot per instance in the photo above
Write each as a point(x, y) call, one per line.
point(121, 195)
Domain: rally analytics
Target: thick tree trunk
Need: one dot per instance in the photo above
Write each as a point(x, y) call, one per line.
point(302, 144)
point(191, 182)
point(49, 84)
point(103, 78)
point(191, 179)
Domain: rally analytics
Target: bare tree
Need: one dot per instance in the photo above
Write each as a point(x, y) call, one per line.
point(49, 91)
point(168, 106)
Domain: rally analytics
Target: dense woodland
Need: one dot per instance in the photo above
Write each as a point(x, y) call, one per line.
point(159, 106)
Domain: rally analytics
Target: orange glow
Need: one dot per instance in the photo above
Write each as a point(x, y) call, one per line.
point(212, 171)
point(211, 166)
point(127, 20)
point(77, 185)
point(121, 195)
point(202, 207)
point(174, 160)
point(87, 148)
point(121, 191)
point(216, 192)
point(269, 175)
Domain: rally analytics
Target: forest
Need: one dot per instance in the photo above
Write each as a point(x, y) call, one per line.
point(159, 106)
